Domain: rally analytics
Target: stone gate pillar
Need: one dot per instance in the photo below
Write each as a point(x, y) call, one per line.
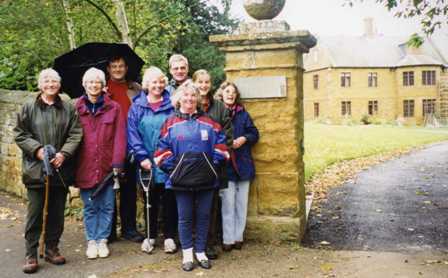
point(264, 59)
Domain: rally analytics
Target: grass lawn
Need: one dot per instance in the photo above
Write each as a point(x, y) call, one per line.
point(328, 144)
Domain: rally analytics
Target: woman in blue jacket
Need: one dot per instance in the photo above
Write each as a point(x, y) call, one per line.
point(240, 171)
point(148, 112)
point(191, 147)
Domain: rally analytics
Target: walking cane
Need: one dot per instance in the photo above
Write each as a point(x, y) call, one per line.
point(49, 154)
point(145, 178)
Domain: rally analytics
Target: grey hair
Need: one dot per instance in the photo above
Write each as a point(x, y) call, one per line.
point(150, 74)
point(49, 72)
point(177, 58)
point(186, 86)
point(93, 74)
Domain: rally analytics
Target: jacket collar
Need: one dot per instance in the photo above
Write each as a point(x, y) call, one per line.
point(184, 116)
point(141, 100)
point(82, 103)
point(42, 104)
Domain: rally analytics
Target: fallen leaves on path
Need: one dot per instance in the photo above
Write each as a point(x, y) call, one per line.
point(346, 171)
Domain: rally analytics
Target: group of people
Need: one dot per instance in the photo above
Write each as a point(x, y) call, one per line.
point(195, 145)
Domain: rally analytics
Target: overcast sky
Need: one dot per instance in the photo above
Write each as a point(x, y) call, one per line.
point(330, 17)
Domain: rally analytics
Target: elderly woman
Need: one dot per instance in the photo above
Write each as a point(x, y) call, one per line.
point(191, 147)
point(147, 114)
point(103, 149)
point(216, 110)
point(240, 172)
point(46, 120)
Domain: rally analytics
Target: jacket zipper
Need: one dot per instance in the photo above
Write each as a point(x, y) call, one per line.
point(177, 166)
point(209, 164)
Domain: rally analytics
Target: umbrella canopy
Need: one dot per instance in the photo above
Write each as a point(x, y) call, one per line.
point(72, 65)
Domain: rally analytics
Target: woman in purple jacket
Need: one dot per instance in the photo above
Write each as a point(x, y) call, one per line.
point(103, 149)
point(240, 171)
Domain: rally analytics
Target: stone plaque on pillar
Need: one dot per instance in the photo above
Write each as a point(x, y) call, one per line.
point(264, 60)
point(261, 86)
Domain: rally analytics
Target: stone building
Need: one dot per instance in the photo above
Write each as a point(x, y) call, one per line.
point(348, 78)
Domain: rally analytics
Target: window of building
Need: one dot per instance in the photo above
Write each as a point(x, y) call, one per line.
point(346, 108)
point(316, 81)
point(429, 77)
point(372, 79)
point(408, 78)
point(316, 110)
point(345, 79)
point(408, 108)
point(373, 107)
point(429, 106)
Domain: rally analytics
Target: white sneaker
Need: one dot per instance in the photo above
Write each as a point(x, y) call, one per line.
point(170, 246)
point(103, 251)
point(148, 245)
point(92, 250)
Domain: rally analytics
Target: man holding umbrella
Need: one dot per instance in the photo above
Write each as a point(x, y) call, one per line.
point(122, 91)
point(122, 64)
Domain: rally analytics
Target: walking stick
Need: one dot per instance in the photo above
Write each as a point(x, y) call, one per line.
point(49, 154)
point(145, 178)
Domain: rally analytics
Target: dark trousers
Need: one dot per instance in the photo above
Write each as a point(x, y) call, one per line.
point(186, 209)
point(215, 220)
point(128, 202)
point(159, 196)
point(55, 219)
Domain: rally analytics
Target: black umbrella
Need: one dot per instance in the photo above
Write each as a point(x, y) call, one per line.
point(72, 65)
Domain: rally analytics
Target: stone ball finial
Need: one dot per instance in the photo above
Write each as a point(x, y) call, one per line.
point(263, 9)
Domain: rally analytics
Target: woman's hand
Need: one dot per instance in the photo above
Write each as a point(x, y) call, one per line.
point(238, 142)
point(58, 160)
point(146, 164)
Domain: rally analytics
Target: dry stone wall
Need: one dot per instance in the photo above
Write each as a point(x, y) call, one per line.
point(10, 155)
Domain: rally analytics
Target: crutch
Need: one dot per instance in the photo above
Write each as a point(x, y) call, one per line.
point(145, 178)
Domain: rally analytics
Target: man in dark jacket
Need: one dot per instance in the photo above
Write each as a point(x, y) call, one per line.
point(46, 120)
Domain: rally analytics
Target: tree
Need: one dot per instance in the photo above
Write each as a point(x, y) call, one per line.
point(433, 14)
point(36, 32)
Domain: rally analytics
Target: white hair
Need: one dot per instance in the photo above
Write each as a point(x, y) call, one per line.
point(150, 74)
point(177, 58)
point(47, 73)
point(93, 74)
point(186, 86)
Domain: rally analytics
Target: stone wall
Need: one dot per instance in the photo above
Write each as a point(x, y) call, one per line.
point(10, 154)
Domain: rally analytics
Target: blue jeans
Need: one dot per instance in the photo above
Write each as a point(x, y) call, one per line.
point(234, 211)
point(98, 212)
point(186, 201)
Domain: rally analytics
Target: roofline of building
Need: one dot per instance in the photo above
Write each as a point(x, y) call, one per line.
point(378, 67)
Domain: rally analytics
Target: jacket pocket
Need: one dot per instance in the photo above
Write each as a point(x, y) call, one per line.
point(193, 170)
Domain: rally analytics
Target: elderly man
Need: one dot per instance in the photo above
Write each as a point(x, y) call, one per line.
point(179, 71)
point(122, 91)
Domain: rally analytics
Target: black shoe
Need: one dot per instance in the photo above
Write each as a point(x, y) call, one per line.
point(205, 264)
point(211, 253)
point(188, 266)
point(227, 247)
point(133, 236)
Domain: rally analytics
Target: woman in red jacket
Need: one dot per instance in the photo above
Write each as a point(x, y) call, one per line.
point(103, 149)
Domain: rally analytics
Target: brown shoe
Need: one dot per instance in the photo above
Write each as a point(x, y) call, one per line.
point(238, 245)
point(54, 257)
point(30, 265)
point(227, 247)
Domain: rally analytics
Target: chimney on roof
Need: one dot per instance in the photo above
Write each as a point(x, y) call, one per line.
point(369, 27)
